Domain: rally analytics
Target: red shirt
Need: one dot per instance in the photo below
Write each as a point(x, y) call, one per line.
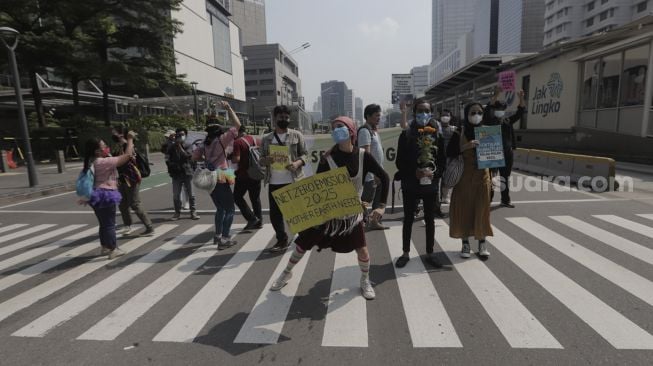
point(241, 149)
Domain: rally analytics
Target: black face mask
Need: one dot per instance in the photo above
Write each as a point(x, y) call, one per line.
point(283, 124)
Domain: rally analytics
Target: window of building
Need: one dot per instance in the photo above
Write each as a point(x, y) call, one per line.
point(590, 6)
point(591, 74)
point(590, 22)
point(267, 82)
point(251, 94)
point(266, 71)
point(611, 12)
point(566, 11)
point(251, 72)
point(267, 93)
point(610, 76)
point(603, 16)
point(641, 6)
point(251, 82)
point(221, 38)
point(634, 76)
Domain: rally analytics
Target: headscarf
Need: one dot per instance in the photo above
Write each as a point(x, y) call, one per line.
point(351, 126)
point(468, 126)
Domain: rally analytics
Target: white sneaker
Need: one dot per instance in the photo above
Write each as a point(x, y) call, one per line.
point(482, 249)
point(104, 251)
point(126, 230)
point(116, 253)
point(465, 252)
point(367, 290)
point(281, 281)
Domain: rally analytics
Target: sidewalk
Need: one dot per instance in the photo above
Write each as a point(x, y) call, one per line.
point(14, 185)
point(634, 168)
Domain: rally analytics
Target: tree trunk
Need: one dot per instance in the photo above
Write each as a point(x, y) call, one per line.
point(38, 101)
point(105, 102)
point(74, 81)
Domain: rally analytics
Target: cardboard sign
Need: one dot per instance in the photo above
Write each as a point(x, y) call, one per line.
point(280, 157)
point(489, 153)
point(315, 200)
point(508, 80)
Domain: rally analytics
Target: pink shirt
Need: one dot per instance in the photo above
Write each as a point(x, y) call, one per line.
point(214, 153)
point(106, 174)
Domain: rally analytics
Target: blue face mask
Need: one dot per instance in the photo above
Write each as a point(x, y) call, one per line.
point(340, 134)
point(423, 119)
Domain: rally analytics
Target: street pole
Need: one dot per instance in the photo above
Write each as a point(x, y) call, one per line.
point(29, 159)
point(197, 112)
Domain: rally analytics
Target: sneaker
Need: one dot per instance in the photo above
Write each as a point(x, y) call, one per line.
point(280, 246)
point(402, 261)
point(176, 216)
point(149, 231)
point(116, 253)
point(225, 243)
point(126, 230)
point(253, 225)
point(186, 206)
point(375, 225)
point(507, 204)
point(194, 216)
point(281, 281)
point(104, 251)
point(367, 290)
point(465, 252)
point(482, 249)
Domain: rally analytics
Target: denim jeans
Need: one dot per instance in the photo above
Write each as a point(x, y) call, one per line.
point(177, 184)
point(106, 216)
point(223, 199)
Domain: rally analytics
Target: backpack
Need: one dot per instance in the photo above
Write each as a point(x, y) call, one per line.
point(143, 165)
point(85, 183)
point(255, 170)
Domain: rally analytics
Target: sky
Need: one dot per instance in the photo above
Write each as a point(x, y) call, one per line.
point(360, 42)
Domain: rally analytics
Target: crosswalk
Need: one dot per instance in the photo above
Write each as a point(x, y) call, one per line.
point(57, 269)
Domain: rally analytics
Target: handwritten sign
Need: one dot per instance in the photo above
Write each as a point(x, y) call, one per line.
point(315, 200)
point(280, 157)
point(489, 153)
point(508, 80)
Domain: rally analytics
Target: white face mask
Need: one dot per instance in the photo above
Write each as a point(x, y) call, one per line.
point(499, 114)
point(476, 119)
point(445, 119)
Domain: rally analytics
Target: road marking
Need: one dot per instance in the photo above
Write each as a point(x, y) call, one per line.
point(33, 253)
point(618, 330)
point(20, 234)
point(145, 189)
point(518, 325)
point(160, 185)
point(265, 322)
point(620, 276)
point(47, 288)
point(119, 320)
point(73, 307)
point(36, 200)
point(427, 319)
point(11, 227)
point(567, 188)
point(190, 320)
point(346, 318)
point(646, 216)
point(627, 224)
point(631, 248)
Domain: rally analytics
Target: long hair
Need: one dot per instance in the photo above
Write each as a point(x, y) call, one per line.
point(468, 126)
point(90, 147)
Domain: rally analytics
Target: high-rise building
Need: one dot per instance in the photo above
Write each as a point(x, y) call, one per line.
point(420, 80)
point(450, 20)
point(333, 99)
point(249, 16)
point(359, 111)
point(570, 19)
point(317, 106)
point(485, 30)
point(521, 26)
point(349, 104)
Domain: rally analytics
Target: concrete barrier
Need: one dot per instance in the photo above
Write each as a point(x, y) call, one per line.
point(559, 165)
point(537, 162)
point(520, 159)
point(593, 172)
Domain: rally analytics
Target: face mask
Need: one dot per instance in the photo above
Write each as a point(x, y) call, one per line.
point(639, 79)
point(476, 119)
point(181, 138)
point(106, 152)
point(423, 118)
point(340, 134)
point(283, 124)
point(499, 114)
point(446, 120)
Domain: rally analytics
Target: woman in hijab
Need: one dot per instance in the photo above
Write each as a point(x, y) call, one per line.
point(347, 234)
point(470, 200)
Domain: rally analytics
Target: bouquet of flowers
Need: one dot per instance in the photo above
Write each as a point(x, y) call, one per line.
point(426, 144)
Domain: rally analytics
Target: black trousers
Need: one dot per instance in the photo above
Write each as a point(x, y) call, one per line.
point(276, 218)
point(505, 173)
point(253, 187)
point(411, 198)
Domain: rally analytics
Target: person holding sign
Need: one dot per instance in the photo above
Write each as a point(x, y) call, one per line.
point(214, 153)
point(346, 234)
point(495, 115)
point(469, 212)
point(420, 160)
point(284, 153)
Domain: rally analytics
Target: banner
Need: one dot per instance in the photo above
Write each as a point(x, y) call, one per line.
point(280, 157)
point(508, 80)
point(489, 153)
point(317, 199)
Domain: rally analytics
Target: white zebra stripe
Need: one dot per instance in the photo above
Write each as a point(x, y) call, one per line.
point(627, 224)
point(20, 234)
point(11, 227)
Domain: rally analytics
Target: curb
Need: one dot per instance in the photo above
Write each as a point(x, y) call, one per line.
point(39, 192)
point(648, 171)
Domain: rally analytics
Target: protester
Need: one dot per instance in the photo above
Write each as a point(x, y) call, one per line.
point(105, 194)
point(370, 140)
point(447, 130)
point(180, 168)
point(347, 234)
point(213, 152)
point(244, 183)
point(470, 200)
point(283, 167)
point(420, 161)
point(129, 184)
point(495, 114)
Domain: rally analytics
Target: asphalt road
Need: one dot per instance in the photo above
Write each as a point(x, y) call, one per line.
point(569, 282)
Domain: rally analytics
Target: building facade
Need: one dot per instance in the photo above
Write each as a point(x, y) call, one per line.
point(350, 104)
point(359, 111)
point(520, 26)
point(249, 16)
point(333, 95)
point(420, 80)
point(450, 20)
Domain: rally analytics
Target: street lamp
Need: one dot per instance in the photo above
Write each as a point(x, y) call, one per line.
point(193, 84)
point(9, 38)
